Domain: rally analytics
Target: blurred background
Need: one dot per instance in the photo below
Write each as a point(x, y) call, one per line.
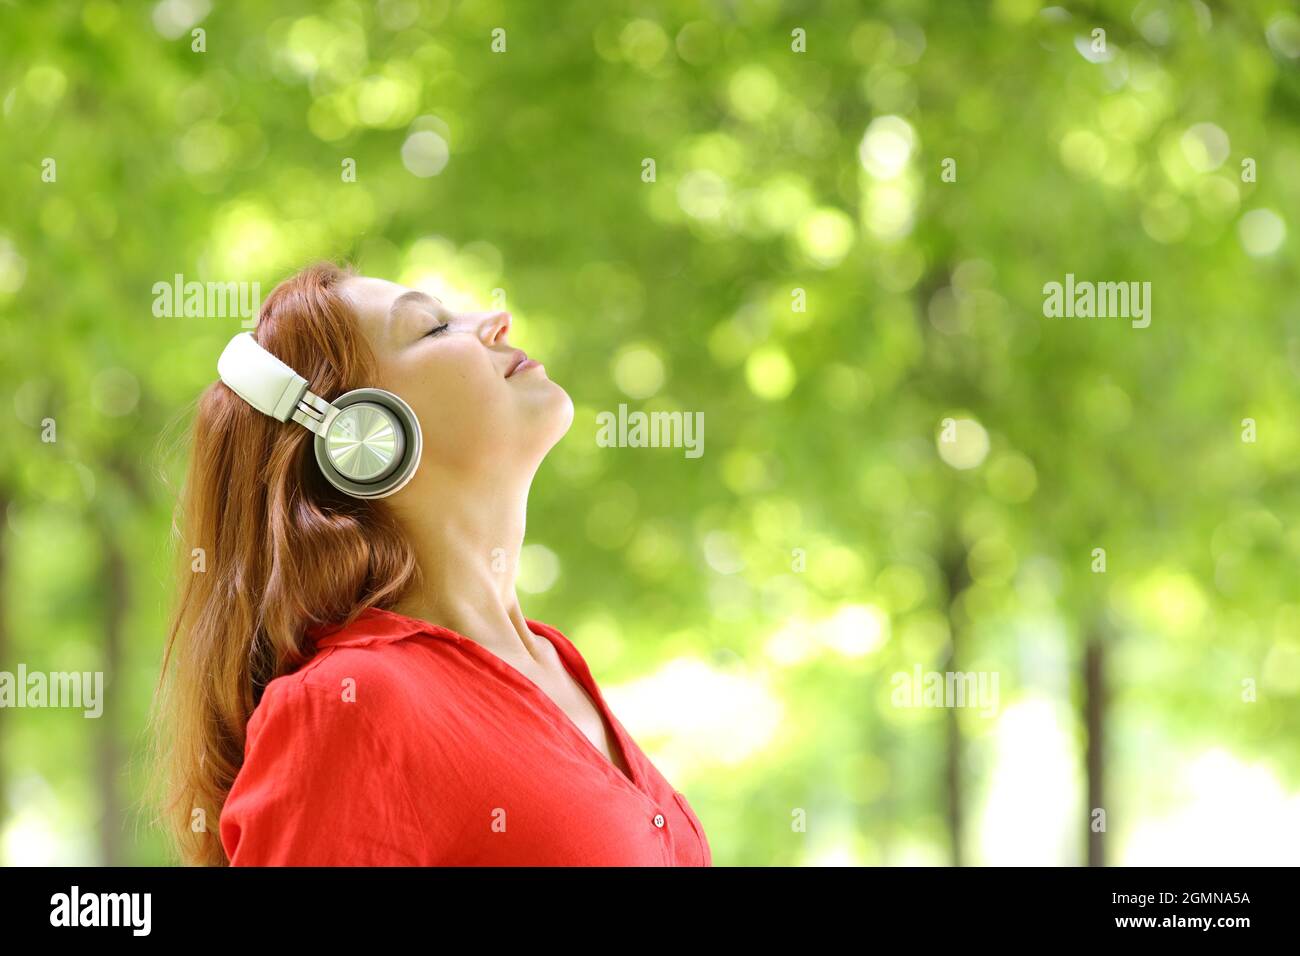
point(826, 226)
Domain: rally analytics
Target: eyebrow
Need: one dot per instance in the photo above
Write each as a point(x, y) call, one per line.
point(415, 295)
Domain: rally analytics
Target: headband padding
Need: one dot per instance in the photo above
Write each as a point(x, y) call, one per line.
point(259, 378)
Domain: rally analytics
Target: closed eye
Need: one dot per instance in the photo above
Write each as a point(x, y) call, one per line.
point(436, 329)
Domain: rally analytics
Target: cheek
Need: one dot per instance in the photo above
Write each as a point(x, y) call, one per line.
point(456, 388)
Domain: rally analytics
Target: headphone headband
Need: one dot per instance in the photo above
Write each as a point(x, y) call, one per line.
point(259, 378)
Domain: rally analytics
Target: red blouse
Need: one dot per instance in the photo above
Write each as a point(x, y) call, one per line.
point(403, 743)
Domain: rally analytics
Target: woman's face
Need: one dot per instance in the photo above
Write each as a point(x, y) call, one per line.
point(456, 371)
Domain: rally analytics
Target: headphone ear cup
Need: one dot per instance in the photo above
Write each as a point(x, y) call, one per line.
point(372, 447)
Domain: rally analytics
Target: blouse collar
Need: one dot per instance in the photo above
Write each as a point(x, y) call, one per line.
point(375, 625)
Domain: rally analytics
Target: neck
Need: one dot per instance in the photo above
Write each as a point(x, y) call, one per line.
point(467, 547)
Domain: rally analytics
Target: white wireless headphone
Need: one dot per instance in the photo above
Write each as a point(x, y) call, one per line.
point(368, 440)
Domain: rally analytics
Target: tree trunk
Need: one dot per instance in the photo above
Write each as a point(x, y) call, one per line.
point(1094, 682)
point(956, 577)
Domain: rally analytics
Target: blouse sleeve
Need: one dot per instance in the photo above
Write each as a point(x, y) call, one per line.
point(318, 787)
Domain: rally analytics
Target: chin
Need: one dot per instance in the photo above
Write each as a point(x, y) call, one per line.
point(559, 416)
point(551, 420)
point(545, 413)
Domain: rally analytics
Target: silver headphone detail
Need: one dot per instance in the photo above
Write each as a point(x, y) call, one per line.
point(369, 447)
point(368, 441)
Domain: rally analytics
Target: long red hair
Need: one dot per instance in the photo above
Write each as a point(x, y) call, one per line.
point(267, 548)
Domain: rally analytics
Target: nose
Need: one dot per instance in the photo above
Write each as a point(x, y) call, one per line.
point(496, 326)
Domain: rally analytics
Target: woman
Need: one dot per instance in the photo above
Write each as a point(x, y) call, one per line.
point(353, 680)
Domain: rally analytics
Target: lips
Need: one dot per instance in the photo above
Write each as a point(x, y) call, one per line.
point(517, 359)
